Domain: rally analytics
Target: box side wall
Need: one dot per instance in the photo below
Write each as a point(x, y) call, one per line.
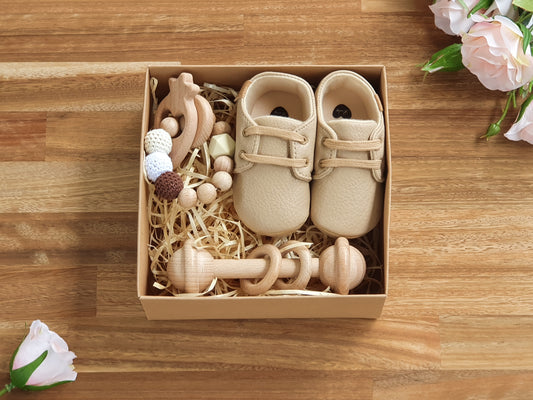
point(143, 233)
point(388, 183)
point(354, 306)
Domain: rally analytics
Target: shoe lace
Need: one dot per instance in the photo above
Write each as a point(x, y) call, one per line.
point(351, 145)
point(275, 160)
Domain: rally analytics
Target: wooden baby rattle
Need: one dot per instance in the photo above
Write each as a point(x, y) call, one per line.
point(341, 266)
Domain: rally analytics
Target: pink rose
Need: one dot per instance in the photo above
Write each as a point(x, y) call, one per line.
point(452, 17)
point(522, 129)
point(492, 50)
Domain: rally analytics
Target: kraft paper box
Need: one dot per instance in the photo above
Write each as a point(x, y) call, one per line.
point(158, 306)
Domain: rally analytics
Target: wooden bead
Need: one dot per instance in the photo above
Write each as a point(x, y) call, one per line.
point(170, 124)
point(221, 127)
point(223, 163)
point(221, 145)
point(207, 193)
point(187, 197)
point(222, 180)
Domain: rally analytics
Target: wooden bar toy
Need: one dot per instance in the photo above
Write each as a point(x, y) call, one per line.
point(341, 266)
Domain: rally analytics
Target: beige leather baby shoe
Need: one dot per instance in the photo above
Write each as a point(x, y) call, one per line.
point(275, 140)
point(347, 187)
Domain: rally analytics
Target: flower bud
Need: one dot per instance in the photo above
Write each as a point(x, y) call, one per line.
point(493, 130)
point(447, 59)
point(42, 360)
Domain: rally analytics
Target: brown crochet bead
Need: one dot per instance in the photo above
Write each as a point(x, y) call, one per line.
point(168, 186)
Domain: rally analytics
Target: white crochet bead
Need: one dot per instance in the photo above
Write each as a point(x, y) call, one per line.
point(157, 140)
point(156, 164)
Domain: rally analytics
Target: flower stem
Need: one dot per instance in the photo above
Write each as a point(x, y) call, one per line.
point(495, 128)
point(8, 388)
point(512, 97)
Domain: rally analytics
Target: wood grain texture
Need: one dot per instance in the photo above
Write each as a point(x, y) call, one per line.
point(458, 319)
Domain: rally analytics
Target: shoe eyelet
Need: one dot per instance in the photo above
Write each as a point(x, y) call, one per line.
point(305, 140)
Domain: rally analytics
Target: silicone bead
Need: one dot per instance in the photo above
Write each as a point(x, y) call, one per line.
point(221, 145)
point(157, 164)
point(157, 140)
point(222, 180)
point(207, 193)
point(187, 198)
point(223, 163)
point(170, 124)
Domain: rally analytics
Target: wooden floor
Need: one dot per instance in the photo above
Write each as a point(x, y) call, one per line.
point(458, 322)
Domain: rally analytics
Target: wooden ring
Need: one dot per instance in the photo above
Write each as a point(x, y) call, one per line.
point(304, 273)
point(273, 253)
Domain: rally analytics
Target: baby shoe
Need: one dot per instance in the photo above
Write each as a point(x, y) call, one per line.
point(275, 139)
point(347, 188)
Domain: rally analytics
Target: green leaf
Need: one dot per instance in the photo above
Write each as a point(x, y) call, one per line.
point(447, 59)
point(20, 376)
point(525, 4)
point(39, 388)
point(527, 36)
point(463, 4)
point(482, 5)
point(523, 107)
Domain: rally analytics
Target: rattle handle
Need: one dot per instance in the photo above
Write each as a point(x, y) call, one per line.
point(256, 268)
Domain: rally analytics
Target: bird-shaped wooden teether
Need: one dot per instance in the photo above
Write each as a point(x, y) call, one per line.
point(185, 101)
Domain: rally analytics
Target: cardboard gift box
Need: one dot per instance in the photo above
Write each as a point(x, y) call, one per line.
point(161, 306)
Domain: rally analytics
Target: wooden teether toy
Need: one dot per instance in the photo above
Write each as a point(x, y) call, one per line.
point(341, 266)
point(185, 101)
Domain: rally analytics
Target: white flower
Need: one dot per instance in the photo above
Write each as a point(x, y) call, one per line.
point(522, 129)
point(452, 17)
point(55, 368)
point(502, 7)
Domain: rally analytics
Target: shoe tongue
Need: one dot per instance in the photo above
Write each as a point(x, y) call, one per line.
point(353, 129)
point(278, 122)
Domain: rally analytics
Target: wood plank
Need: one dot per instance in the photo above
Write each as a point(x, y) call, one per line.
point(117, 290)
point(393, 6)
point(69, 187)
point(456, 384)
point(460, 260)
point(120, 92)
point(231, 384)
point(487, 342)
point(330, 345)
point(22, 136)
point(467, 182)
point(93, 136)
point(66, 239)
point(44, 291)
point(453, 134)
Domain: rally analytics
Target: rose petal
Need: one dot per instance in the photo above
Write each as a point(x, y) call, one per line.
point(492, 50)
point(33, 345)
